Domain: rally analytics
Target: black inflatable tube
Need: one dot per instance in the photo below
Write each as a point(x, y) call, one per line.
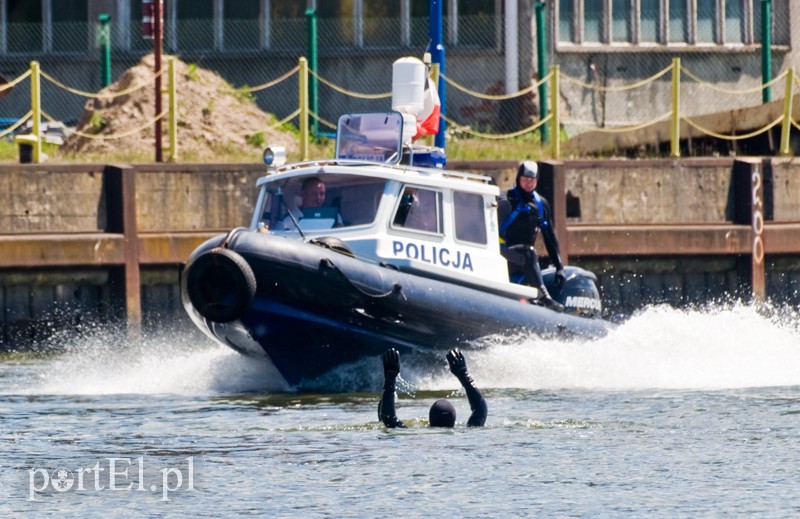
point(330, 282)
point(220, 285)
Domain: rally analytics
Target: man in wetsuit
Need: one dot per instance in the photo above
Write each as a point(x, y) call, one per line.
point(442, 413)
point(521, 215)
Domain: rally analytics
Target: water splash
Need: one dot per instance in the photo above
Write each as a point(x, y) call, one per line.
point(107, 363)
point(661, 347)
point(718, 347)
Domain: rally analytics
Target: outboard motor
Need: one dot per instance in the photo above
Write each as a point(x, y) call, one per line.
point(579, 295)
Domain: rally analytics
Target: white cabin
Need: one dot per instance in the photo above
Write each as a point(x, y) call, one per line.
point(423, 220)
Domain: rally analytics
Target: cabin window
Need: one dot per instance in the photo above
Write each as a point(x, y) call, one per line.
point(470, 217)
point(420, 210)
point(321, 202)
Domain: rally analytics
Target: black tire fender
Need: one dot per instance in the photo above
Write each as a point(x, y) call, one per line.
point(220, 285)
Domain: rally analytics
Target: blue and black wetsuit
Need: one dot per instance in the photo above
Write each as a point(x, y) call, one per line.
point(521, 216)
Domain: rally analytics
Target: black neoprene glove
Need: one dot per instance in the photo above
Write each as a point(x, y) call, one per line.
point(458, 365)
point(391, 364)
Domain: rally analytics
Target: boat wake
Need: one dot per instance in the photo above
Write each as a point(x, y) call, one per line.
point(171, 364)
point(660, 347)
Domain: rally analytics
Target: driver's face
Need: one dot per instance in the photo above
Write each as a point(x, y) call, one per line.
point(527, 183)
point(314, 195)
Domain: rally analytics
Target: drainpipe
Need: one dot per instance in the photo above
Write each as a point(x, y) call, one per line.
point(766, 49)
point(541, 64)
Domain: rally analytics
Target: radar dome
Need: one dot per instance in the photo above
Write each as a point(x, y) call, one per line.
point(408, 86)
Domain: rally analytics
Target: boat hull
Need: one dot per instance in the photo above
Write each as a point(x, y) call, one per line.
point(312, 308)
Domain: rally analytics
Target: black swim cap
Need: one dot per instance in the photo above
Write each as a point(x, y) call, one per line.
point(442, 414)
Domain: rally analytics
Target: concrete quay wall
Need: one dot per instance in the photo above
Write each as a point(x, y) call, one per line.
point(654, 231)
point(200, 197)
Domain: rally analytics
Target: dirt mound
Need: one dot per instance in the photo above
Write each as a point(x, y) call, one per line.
point(213, 118)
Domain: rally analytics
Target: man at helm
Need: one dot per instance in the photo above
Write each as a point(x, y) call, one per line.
point(521, 215)
point(442, 413)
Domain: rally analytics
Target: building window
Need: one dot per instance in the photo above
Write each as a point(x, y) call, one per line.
point(195, 24)
point(706, 16)
point(650, 23)
point(756, 21)
point(57, 26)
point(335, 24)
point(70, 26)
point(678, 32)
point(45, 26)
point(593, 21)
point(419, 11)
point(621, 17)
point(566, 20)
point(475, 24)
point(240, 26)
point(25, 22)
point(780, 22)
point(285, 21)
point(734, 21)
point(381, 23)
point(665, 22)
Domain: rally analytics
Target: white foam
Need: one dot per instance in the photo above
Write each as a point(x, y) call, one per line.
point(171, 364)
point(661, 347)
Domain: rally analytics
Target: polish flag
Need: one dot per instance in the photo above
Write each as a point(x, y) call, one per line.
point(428, 119)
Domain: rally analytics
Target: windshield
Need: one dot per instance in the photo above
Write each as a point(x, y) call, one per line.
point(374, 137)
point(313, 202)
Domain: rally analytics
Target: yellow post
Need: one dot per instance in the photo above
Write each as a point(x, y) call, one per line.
point(303, 98)
point(429, 139)
point(36, 110)
point(172, 100)
point(786, 124)
point(675, 126)
point(555, 120)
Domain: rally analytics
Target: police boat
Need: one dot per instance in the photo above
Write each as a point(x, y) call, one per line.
point(378, 247)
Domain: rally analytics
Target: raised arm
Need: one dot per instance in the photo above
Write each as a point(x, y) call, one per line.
point(458, 367)
point(551, 242)
point(386, 408)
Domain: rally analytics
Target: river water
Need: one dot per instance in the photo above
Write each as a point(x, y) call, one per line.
point(676, 413)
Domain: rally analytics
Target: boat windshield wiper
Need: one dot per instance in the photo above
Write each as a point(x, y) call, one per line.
point(289, 212)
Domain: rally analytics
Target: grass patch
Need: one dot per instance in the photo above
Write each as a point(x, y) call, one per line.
point(8, 151)
point(483, 149)
point(256, 140)
point(123, 155)
point(244, 94)
point(521, 148)
point(97, 122)
point(192, 73)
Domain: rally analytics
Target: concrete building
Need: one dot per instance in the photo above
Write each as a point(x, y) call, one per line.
point(602, 44)
point(611, 43)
